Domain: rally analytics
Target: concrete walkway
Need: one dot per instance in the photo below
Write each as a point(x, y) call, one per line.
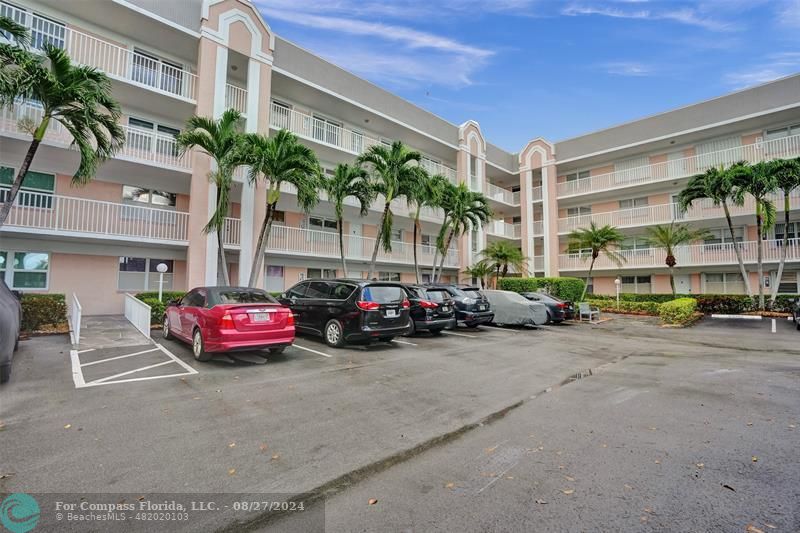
point(109, 331)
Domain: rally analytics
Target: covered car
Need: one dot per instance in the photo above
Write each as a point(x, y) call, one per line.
point(10, 318)
point(513, 309)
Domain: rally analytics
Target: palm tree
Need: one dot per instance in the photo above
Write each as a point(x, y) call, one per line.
point(348, 182)
point(424, 191)
point(276, 160)
point(221, 141)
point(787, 178)
point(758, 181)
point(599, 240)
point(481, 270)
point(76, 97)
point(670, 237)
point(16, 62)
point(502, 255)
point(391, 168)
point(464, 211)
point(715, 184)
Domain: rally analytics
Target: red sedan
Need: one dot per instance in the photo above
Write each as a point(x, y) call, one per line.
point(225, 319)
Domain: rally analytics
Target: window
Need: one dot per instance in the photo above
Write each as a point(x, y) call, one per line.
point(427, 239)
point(318, 289)
point(790, 283)
point(793, 230)
point(636, 284)
point(141, 274)
point(341, 291)
point(43, 30)
point(723, 235)
point(579, 211)
point(147, 136)
point(28, 270)
point(397, 235)
point(723, 283)
point(139, 195)
point(630, 203)
point(389, 276)
point(326, 130)
point(320, 223)
point(281, 115)
point(785, 131)
point(574, 176)
point(279, 218)
point(356, 141)
point(155, 72)
point(195, 298)
point(637, 244)
point(320, 273)
point(36, 191)
point(298, 291)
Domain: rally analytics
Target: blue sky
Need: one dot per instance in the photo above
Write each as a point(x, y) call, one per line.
point(556, 69)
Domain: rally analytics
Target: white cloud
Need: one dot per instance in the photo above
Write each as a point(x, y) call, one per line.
point(773, 67)
point(789, 13)
point(683, 15)
point(627, 68)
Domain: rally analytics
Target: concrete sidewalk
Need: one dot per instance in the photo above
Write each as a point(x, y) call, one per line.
point(108, 331)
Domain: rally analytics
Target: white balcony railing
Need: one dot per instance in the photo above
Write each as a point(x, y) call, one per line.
point(537, 194)
point(666, 213)
point(538, 228)
point(236, 98)
point(498, 228)
point(117, 61)
point(289, 240)
point(785, 147)
point(499, 194)
point(325, 132)
point(140, 144)
point(232, 232)
point(686, 256)
point(60, 215)
point(538, 263)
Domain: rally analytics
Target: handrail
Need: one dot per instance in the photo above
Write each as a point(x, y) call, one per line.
point(76, 313)
point(138, 313)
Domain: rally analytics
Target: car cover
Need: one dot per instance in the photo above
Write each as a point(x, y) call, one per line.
point(511, 308)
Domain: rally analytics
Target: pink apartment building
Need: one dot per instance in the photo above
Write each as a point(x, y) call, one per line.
point(147, 206)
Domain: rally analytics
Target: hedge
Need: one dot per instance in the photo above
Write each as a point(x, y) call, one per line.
point(707, 303)
point(569, 289)
point(643, 308)
point(632, 297)
point(678, 311)
point(43, 310)
point(166, 296)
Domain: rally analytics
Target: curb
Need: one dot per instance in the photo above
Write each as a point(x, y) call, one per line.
point(739, 317)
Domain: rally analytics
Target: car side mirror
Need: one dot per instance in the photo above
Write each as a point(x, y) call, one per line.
point(17, 295)
point(174, 303)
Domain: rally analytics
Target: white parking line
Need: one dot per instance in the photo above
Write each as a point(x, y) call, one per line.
point(86, 350)
point(773, 325)
point(459, 334)
point(148, 367)
point(493, 327)
point(117, 357)
point(176, 359)
point(312, 351)
point(77, 375)
point(403, 342)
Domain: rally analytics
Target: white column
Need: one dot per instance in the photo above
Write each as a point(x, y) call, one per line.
point(527, 216)
point(248, 190)
point(546, 220)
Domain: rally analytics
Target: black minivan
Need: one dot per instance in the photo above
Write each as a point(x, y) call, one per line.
point(348, 310)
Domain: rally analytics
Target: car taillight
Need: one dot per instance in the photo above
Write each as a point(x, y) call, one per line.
point(428, 305)
point(367, 306)
point(562, 305)
point(407, 304)
point(226, 322)
point(290, 319)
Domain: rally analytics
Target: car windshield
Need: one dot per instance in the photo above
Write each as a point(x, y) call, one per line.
point(382, 294)
point(232, 296)
point(438, 296)
point(473, 293)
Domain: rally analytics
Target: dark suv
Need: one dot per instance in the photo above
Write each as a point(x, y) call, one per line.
point(432, 309)
point(348, 310)
point(796, 313)
point(472, 307)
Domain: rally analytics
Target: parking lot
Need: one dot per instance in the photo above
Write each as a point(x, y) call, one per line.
point(290, 423)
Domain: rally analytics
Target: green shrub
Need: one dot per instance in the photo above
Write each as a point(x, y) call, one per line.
point(564, 288)
point(784, 302)
point(646, 308)
point(43, 310)
point(166, 296)
point(678, 311)
point(156, 309)
point(631, 297)
point(724, 303)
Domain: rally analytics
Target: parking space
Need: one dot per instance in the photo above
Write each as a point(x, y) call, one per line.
point(778, 326)
point(92, 367)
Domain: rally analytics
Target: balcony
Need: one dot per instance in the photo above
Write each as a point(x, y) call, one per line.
point(537, 194)
point(314, 243)
point(686, 256)
point(538, 263)
point(666, 213)
point(785, 147)
point(118, 62)
point(236, 98)
point(498, 228)
point(499, 194)
point(538, 228)
point(354, 142)
point(141, 145)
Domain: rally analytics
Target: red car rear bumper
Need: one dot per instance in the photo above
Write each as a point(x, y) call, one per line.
point(231, 341)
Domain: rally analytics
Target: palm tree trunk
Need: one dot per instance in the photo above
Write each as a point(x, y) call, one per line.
point(737, 250)
point(377, 242)
point(38, 135)
point(226, 280)
point(263, 238)
point(444, 254)
point(588, 279)
point(785, 251)
point(341, 247)
point(760, 242)
point(672, 280)
point(496, 275)
point(416, 232)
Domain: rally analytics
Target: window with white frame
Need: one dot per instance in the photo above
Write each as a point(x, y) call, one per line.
point(784, 131)
point(723, 283)
point(578, 175)
point(164, 136)
point(279, 218)
point(790, 282)
point(148, 197)
point(579, 211)
point(317, 273)
point(25, 270)
point(141, 274)
point(43, 30)
point(636, 284)
point(723, 235)
point(640, 245)
point(631, 203)
point(389, 276)
point(322, 223)
point(397, 235)
point(426, 239)
point(36, 191)
point(781, 229)
point(149, 69)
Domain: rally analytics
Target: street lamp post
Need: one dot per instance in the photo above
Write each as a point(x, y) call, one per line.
point(162, 267)
point(617, 283)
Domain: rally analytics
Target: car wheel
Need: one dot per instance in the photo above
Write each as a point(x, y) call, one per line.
point(412, 329)
point(16, 344)
point(386, 339)
point(549, 318)
point(797, 323)
point(277, 351)
point(5, 373)
point(471, 325)
point(198, 347)
point(334, 335)
point(435, 332)
point(165, 332)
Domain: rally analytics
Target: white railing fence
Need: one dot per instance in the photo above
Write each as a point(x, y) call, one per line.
point(500, 194)
point(236, 98)
point(500, 228)
point(678, 168)
point(138, 313)
point(75, 315)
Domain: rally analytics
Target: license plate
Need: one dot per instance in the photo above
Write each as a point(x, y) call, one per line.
point(481, 308)
point(391, 313)
point(445, 309)
point(259, 317)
